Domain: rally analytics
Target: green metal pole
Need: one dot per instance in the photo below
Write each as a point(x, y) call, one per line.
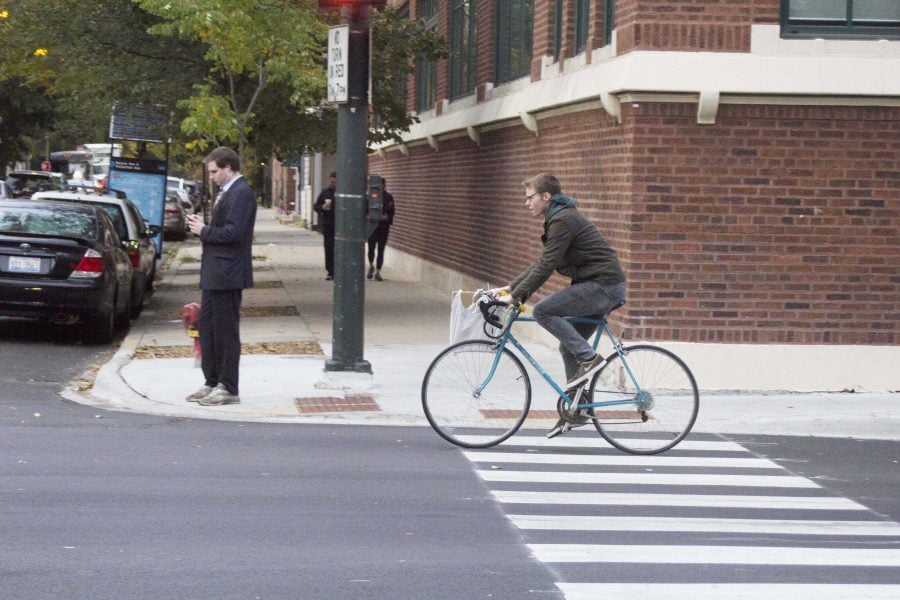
point(350, 206)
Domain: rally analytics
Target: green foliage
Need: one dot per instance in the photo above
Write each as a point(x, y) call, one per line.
point(29, 114)
point(396, 44)
point(249, 73)
point(251, 45)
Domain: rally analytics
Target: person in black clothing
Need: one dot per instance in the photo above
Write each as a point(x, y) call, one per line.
point(325, 207)
point(226, 270)
point(379, 237)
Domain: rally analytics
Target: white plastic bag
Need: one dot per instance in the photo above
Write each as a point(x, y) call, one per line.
point(466, 321)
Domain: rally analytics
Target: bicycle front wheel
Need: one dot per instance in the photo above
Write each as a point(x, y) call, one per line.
point(471, 402)
point(656, 400)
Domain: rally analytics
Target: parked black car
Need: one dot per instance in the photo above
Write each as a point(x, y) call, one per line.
point(135, 234)
point(63, 263)
point(26, 183)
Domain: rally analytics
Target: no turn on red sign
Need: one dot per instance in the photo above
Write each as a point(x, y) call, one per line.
point(338, 63)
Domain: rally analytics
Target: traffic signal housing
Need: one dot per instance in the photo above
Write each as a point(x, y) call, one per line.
point(354, 4)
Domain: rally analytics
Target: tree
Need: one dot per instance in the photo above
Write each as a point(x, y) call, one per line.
point(94, 54)
point(250, 46)
point(22, 120)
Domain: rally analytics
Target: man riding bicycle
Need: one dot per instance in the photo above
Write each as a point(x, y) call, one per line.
point(574, 247)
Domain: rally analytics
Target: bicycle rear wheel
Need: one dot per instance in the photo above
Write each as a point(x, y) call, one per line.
point(662, 409)
point(465, 416)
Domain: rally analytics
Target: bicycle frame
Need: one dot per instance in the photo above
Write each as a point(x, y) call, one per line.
point(602, 328)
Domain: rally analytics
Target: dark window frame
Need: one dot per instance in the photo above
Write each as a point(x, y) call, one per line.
point(426, 70)
point(846, 28)
point(463, 47)
point(582, 25)
point(514, 48)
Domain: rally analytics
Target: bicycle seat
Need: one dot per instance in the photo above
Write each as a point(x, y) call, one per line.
point(617, 306)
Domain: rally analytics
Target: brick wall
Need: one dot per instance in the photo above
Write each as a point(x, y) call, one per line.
point(776, 224)
point(700, 25)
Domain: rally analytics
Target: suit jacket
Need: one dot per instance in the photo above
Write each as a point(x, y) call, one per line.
point(227, 262)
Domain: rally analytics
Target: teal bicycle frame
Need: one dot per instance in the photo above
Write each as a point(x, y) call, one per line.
point(602, 328)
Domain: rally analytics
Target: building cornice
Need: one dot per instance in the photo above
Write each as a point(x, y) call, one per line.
point(795, 72)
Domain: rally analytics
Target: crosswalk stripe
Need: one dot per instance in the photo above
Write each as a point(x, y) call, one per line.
point(597, 441)
point(732, 591)
point(706, 525)
point(723, 555)
point(776, 481)
point(621, 460)
point(695, 500)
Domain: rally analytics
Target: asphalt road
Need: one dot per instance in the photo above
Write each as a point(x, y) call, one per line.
point(115, 505)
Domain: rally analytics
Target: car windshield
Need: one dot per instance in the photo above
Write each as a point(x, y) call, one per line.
point(113, 210)
point(51, 221)
point(32, 182)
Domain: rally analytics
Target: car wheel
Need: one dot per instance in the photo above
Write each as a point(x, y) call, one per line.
point(123, 318)
point(151, 280)
point(137, 300)
point(100, 328)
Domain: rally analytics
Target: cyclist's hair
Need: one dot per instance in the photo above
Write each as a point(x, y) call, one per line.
point(543, 182)
point(224, 156)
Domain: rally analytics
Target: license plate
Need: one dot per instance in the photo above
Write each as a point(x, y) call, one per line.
point(24, 264)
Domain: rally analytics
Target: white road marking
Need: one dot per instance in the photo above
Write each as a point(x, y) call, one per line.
point(706, 525)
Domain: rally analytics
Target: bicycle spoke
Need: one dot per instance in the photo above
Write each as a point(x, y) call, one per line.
point(454, 401)
point(654, 415)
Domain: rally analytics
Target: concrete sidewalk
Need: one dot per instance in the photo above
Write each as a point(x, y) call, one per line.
point(289, 315)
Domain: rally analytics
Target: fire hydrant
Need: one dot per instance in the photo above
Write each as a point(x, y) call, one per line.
point(190, 318)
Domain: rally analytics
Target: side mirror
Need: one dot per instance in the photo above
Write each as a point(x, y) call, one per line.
point(152, 230)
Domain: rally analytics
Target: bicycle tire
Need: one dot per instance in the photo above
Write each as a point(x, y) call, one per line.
point(669, 394)
point(461, 417)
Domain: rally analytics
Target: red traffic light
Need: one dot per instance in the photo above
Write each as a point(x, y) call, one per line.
point(338, 4)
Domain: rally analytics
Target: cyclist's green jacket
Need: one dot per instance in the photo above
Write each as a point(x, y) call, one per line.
point(574, 247)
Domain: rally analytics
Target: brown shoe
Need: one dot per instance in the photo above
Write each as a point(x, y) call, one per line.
point(219, 397)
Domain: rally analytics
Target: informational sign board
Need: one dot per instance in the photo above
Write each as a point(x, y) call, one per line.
point(139, 124)
point(144, 182)
point(338, 63)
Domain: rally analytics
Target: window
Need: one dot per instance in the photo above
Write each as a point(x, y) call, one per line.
point(557, 29)
point(515, 21)
point(850, 19)
point(426, 74)
point(400, 81)
point(609, 21)
point(462, 48)
point(582, 24)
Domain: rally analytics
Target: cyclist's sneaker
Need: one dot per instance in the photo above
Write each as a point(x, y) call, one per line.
point(562, 426)
point(586, 368)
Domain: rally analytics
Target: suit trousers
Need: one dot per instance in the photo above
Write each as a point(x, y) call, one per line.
point(220, 337)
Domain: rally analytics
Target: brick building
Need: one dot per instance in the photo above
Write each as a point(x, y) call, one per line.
point(742, 155)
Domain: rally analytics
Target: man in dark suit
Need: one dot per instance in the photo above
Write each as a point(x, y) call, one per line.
point(325, 207)
point(225, 271)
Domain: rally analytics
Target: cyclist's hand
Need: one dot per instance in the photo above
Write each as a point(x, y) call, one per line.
point(496, 293)
point(505, 299)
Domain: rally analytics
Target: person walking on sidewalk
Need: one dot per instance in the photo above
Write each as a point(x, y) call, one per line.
point(226, 269)
point(325, 207)
point(378, 239)
point(576, 248)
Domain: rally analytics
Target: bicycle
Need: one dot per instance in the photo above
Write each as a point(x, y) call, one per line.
point(477, 393)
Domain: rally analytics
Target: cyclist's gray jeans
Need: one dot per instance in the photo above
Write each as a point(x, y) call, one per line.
point(587, 299)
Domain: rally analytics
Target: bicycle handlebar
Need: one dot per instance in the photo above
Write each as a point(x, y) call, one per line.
point(488, 315)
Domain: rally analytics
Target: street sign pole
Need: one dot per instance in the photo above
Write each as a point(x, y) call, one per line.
point(350, 203)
